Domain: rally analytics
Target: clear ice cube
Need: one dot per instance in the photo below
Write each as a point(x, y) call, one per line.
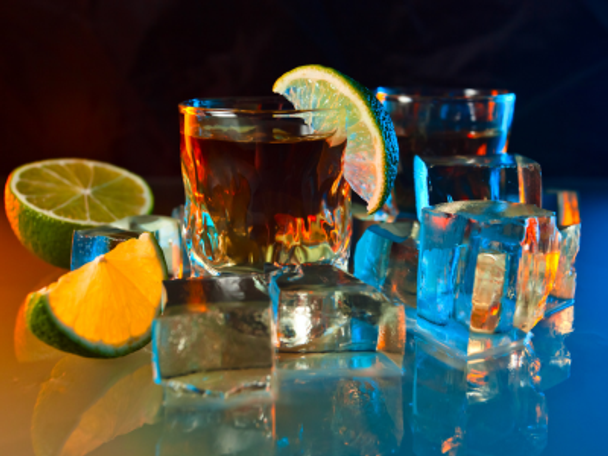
point(386, 257)
point(321, 308)
point(501, 177)
point(178, 213)
point(453, 400)
point(565, 205)
point(486, 265)
point(167, 233)
point(89, 244)
point(214, 338)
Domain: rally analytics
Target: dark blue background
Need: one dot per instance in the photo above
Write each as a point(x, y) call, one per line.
point(101, 79)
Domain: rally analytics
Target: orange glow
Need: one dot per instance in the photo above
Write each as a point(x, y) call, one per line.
point(450, 446)
point(569, 213)
point(381, 96)
point(483, 150)
point(477, 377)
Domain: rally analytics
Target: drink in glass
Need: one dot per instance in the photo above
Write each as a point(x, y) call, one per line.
point(264, 184)
point(443, 122)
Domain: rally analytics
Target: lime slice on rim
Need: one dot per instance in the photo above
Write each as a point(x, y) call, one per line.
point(105, 308)
point(372, 154)
point(46, 201)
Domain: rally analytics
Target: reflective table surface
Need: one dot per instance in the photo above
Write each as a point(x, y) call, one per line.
point(550, 398)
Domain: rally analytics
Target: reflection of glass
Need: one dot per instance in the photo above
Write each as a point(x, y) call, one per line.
point(489, 406)
point(444, 122)
point(264, 184)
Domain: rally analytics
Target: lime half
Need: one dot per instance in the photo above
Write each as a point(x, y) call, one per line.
point(46, 201)
point(372, 154)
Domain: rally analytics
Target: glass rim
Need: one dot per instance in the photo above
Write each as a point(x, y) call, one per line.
point(227, 105)
point(404, 94)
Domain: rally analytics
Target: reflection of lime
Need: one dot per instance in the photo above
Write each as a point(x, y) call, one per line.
point(86, 403)
point(46, 201)
point(370, 164)
point(106, 307)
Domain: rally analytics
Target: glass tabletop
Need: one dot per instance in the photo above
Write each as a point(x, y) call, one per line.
point(550, 398)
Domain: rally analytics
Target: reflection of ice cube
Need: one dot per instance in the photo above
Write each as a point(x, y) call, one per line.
point(386, 257)
point(193, 428)
point(167, 233)
point(321, 308)
point(549, 346)
point(211, 344)
point(489, 406)
point(89, 244)
point(490, 177)
point(338, 404)
point(519, 241)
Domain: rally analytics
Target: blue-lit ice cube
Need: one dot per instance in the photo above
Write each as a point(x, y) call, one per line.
point(215, 337)
point(486, 265)
point(386, 257)
point(89, 244)
point(320, 308)
point(490, 177)
point(166, 230)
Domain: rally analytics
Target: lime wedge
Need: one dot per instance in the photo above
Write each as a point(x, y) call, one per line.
point(105, 308)
point(372, 154)
point(46, 201)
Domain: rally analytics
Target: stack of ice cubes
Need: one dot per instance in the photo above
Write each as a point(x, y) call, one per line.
point(485, 267)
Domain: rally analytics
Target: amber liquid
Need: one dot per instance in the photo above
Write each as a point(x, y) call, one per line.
point(266, 201)
point(439, 144)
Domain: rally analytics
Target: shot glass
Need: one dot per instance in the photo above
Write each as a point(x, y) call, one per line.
point(444, 122)
point(263, 184)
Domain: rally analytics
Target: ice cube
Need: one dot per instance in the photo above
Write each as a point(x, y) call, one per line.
point(489, 406)
point(386, 257)
point(321, 308)
point(179, 214)
point(487, 265)
point(490, 177)
point(167, 233)
point(89, 244)
point(215, 337)
point(549, 346)
point(565, 205)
